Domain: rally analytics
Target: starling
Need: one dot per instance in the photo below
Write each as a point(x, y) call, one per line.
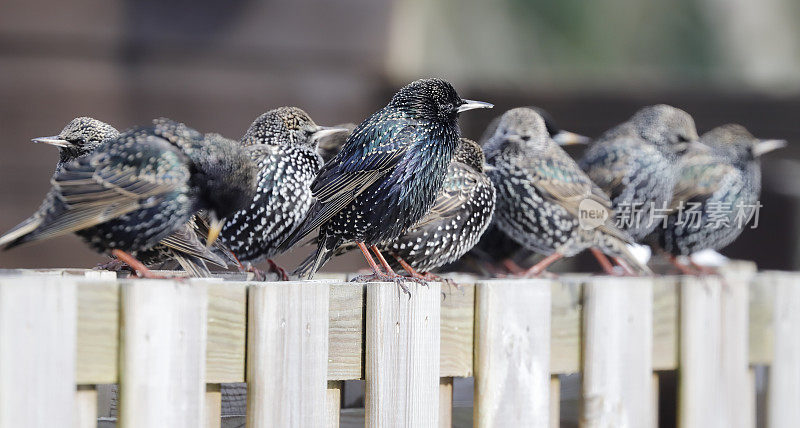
point(387, 175)
point(544, 200)
point(79, 138)
point(460, 215)
point(283, 145)
point(495, 248)
point(135, 190)
point(634, 164)
point(716, 193)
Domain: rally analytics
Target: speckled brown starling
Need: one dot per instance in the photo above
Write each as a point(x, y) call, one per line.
point(544, 200)
point(137, 189)
point(388, 173)
point(282, 144)
point(634, 163)
point(717, 191)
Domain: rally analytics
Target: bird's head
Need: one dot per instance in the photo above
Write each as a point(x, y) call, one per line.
point(80, 137)
point(736, 144)
point(470, 153)
point(287, 125)
point(433, 100)
point(560, 136)
point(519, 129)
point(665, 126)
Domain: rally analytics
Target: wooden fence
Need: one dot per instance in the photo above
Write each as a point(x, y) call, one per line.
point(170, 344)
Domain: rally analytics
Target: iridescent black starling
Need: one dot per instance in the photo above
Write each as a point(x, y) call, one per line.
point(460, 215)
point(634, 163)
point(137, 189)
point(544, 200)
point(717, 191)
point(283, 145)
point(495, 248)
point(79, 138)
point(388, 173)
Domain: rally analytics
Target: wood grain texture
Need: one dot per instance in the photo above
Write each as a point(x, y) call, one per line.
point(346, 332)
point(665, 322)
point(86, 407)
point(445, 402)
point(617, 363)
point(38, 324)
point(700, 402)
point(287, 354)
point(333, 403)
point(227, 323)
point(98, 331)
point(458, 307)
point(213, 405)
point(402, 355)
point(738, 398)
point(163, 334)
point(512, 353)
point(565, 336)
point(783, 393)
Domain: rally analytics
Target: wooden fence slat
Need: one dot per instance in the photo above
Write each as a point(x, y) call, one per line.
point(402, 355)
point(162, 353)
point(738, 396)
point(617, 364)
point(512, 360)
point(445, 402)
point(86, 406)
point(287, 354)
point(783, 396)
point(213, 405)
point(98, 331)
point(555, 401)
point(227, 322)
point(333, 403)
point(37, 351)
point(699, 394)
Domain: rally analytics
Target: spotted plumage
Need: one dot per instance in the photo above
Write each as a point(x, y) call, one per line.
point(138, 188)
point(634, 163)
point(388, 172)
point(718, 186)
point(542, 193)
point(495, 246)
point(283, 144)
point(460, 215)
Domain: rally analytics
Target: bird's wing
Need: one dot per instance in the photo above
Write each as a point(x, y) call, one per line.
point(607, 163)
point(699, 178)
point(351, 172)
point(101, 187)
point(559, 179)
point(455, 192)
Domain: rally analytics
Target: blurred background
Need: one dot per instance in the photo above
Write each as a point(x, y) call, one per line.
point(218, 65)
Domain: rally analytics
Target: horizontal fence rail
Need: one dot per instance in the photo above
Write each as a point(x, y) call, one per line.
point(170, 344)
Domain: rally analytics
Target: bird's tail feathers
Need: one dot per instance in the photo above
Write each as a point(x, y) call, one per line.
point(314, 262)
point(17, 235)
point(616, 247)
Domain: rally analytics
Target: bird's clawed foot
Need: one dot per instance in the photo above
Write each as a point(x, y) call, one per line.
point(114, 265)
point(273, 267)
point(141, 270)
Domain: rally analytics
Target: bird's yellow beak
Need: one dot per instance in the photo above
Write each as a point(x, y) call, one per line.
point(214, 229)
point(566, 138)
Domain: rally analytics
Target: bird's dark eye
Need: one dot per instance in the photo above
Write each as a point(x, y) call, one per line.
point(526, 137)
point(682, 139)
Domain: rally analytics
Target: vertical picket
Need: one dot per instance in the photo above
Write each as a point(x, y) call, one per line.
point(783, 396)
point(402, 355)
point(162, 353)
point(512, 354)
point(287, 351)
